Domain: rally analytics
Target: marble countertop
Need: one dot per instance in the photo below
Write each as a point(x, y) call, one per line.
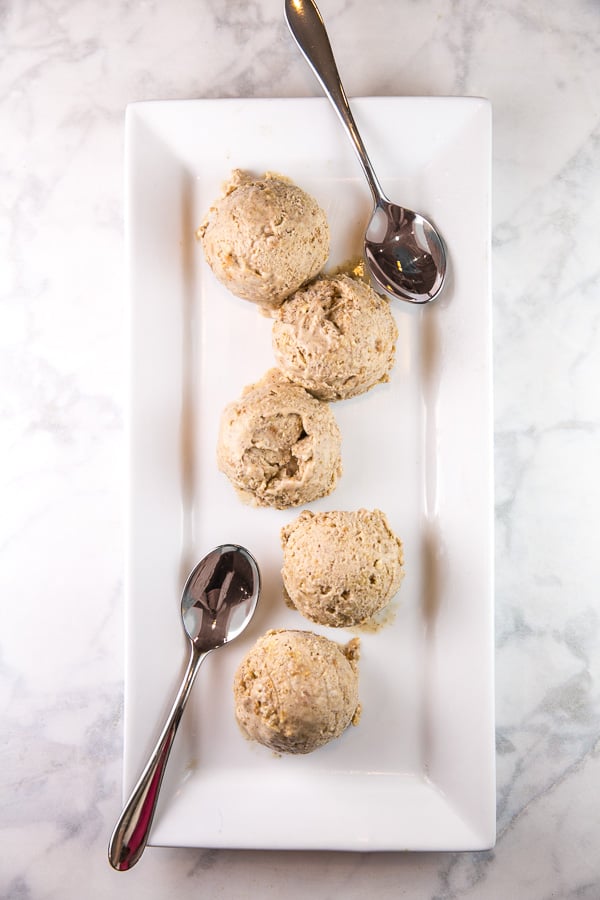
point(68, 70)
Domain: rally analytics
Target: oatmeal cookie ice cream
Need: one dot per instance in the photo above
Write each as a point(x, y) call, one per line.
point(295, 691)
point(264, 238)
point(278, 445)
point(336, 337)
point(340, 568)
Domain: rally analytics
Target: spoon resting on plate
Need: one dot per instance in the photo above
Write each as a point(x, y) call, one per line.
point(404, 251)
point(218, 601)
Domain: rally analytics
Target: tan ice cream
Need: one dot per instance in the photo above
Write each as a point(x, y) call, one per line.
point(339, 568)
point(264, 238)
point(296, 691)
point(278, 445)
point(336, 337)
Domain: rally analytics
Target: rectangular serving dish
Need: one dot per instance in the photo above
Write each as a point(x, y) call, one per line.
point(418, 772)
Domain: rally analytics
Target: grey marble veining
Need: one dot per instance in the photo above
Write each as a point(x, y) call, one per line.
point(67, 70)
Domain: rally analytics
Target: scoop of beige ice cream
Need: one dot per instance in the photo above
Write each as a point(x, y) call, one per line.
point(296, 691)
point(278, 445)
point(339, 568)
point(264, 238)
point(336, 337)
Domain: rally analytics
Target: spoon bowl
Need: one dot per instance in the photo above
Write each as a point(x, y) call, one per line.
point(219, 597)
point(217, 603)
point(404, 251)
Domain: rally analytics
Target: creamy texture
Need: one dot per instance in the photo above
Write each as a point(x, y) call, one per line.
point(278, 445)
point(295, 691)
point(339, 568)
point(264, 238)
point(336, 337)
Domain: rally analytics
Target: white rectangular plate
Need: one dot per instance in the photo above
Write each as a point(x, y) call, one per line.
point(418, 771)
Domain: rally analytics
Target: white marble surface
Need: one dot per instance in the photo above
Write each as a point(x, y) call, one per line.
point(67, 71)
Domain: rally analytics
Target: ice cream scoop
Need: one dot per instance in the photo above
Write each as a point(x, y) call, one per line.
point(278, 445)
point(340, 567)
point(295, 691)
point(218, 601)
point(336, 337)
point(404, 251)
point(264, 238)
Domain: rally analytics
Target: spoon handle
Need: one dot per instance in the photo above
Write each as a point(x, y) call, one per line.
point(308, 30)
point(131, 831)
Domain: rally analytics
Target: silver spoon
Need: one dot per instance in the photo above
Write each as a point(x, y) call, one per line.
point(404, 252)
point(218, 601)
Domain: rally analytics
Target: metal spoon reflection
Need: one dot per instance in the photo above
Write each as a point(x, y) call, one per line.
point(218, 601)
point(404, 251)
